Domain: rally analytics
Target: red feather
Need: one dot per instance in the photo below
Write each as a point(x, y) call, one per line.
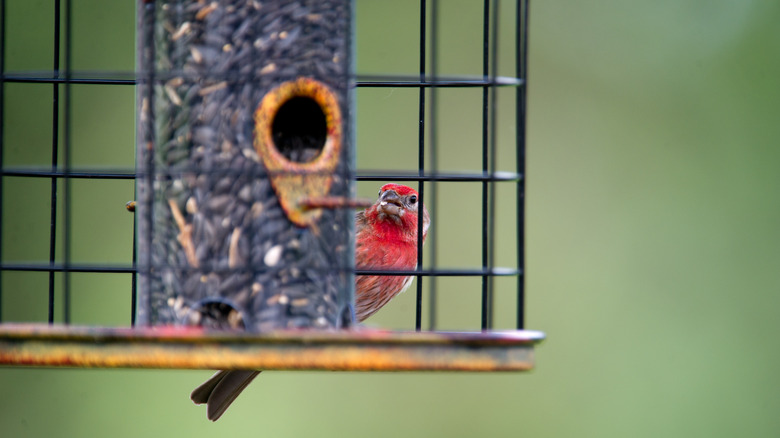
point(386, 240)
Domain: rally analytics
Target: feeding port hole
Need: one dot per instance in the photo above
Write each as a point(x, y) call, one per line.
point(299, 129)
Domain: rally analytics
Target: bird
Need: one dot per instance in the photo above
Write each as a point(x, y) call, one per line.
point(385, 239)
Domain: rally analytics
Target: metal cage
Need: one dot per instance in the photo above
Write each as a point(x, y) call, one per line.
point(47, 334)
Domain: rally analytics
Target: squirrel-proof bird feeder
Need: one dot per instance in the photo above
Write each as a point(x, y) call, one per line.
point(244, 209)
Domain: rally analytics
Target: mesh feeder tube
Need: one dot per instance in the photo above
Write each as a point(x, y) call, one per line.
point(244, 165)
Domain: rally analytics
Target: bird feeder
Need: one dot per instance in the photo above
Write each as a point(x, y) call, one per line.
point(244, 175)
point(244, 164)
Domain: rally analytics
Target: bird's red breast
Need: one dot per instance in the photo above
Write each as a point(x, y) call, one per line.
point(386, 239)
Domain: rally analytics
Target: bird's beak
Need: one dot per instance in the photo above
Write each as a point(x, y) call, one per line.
point(390, 203)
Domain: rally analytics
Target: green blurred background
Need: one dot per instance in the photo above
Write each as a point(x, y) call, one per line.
point(653, 249)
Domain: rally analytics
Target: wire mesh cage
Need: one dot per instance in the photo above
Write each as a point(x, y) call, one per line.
point(59, 198)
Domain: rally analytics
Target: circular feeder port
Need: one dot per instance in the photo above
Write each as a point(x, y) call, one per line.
point(299, 129)
point(298, 137)
point(220, 314)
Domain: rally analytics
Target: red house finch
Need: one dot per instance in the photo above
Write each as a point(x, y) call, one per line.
point(386, 239)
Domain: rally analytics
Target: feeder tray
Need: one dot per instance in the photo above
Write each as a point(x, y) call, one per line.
point(361, 350)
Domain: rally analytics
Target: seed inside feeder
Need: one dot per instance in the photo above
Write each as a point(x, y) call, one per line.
point(211, 227)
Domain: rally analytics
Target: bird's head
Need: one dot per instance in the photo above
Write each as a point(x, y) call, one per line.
point(400, 205)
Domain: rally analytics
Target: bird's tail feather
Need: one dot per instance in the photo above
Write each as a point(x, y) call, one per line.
point(221, 390)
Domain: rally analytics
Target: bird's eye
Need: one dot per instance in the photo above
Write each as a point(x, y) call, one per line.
point(380, 192)
point(413, 199)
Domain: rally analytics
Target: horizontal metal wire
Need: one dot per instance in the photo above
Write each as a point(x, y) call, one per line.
point(442, 82)
point(369, 81)
point(474, 272)
point(57, 267)
point(130, 269)
point(96, 174)
point(49, 77)
point(367, 175)
point(378, 175)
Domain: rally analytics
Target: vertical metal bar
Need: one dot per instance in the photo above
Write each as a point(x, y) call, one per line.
point(2, 137)
point(134, 275)
point(432, 201)
point(421, 166)
point(492, 164)
point(140, 41)
point(55, 132)
point(521, 43)
point(485, 156)
point(68, 120)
